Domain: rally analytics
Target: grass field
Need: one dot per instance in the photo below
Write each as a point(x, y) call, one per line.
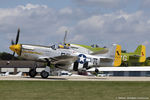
point(73, 90)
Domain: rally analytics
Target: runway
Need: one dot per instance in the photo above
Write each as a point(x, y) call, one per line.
point(75, 78)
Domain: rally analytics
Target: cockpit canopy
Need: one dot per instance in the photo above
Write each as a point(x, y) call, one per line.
point(61, 46)
point(64, 46)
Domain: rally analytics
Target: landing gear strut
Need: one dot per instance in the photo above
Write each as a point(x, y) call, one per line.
point(32, 72)
point(96, 70)
point(45, 73)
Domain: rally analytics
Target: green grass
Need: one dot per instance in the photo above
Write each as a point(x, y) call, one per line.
point(71, 90)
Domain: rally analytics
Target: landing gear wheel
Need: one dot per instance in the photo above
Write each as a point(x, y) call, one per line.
point(126, 65)
point(32, 73)
point(44, 74)
point(96, 70)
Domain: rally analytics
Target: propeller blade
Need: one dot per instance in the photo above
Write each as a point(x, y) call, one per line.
point(14, 54)
point(12, 42)
point(17, 37)
point(65, 36)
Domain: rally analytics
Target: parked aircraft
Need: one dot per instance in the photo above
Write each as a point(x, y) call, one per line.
point(134, 58)
point(138, 57)
point(68, 56)
point(17, 75)
point(7, 74)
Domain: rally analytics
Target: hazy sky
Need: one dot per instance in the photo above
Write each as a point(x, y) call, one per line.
point(102, 22)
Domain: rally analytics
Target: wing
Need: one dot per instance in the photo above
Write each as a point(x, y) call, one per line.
point(60, 60)
point(64, 60)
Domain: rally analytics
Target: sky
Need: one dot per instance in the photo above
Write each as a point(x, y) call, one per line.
point(102, 22)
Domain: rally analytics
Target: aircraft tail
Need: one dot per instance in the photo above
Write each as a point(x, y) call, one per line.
point(6, 74)
point(19, 74)
point(113, 56)
point(141, 51)
point(117, 55)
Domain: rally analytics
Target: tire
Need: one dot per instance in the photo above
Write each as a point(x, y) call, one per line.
point(126, 65)
point(96, 70)
point(44, 74)
point(32, 73)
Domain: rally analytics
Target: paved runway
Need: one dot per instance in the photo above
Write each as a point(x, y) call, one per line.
point(76, 78)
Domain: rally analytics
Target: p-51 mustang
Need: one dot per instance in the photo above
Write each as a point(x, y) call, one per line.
point(69, 57)
point(135, 58)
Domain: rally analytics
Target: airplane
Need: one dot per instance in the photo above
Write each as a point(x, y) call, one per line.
point(138, 57)
point(6, 74)
point(19, 74)
point(69, 57)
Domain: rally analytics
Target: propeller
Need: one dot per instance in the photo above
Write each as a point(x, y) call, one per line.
point(13, 53)
point(65, 37)
point(17, 40)
point(17, 37)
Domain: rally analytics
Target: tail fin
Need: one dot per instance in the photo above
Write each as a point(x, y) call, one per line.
point(115, 54)
point(117, 58)
point(6, 74)
point(113, 57)
point(19, 74)
point(141, 50)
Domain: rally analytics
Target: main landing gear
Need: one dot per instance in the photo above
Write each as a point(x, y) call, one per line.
point(44, 74)
point(32, 72)
point(96, 70)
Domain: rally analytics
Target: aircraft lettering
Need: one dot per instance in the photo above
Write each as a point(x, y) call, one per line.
point(95, 61)
point(124, 58)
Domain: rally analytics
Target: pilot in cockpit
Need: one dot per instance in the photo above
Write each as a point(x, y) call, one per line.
point(53, 47)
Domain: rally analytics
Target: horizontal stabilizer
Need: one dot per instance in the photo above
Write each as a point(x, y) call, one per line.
point(141, 53)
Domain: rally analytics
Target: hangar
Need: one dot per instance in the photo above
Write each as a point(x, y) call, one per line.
point(17, 65)
point(124, 71)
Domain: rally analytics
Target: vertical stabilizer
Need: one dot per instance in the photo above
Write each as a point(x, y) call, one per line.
point(141, 50)
point(117, 58)
point(112, 58)
point(115, 54)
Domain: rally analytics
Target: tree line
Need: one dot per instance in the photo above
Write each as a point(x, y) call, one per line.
point(8, 56)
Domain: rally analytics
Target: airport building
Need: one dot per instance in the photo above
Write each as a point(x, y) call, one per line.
point(19, 66)
point(124, 71)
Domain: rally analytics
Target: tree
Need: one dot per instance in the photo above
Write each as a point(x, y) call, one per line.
point(8, 56)
point(148, 58)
